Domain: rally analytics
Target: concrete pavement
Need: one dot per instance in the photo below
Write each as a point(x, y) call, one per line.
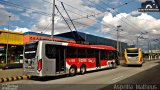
point(10, 72)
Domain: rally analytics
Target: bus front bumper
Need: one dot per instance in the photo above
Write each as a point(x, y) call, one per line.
point(133, 63)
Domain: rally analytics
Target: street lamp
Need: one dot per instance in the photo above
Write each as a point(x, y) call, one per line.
point(7, 41)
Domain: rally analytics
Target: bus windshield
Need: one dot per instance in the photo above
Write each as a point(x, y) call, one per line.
point(132, 53)
point(30, 50)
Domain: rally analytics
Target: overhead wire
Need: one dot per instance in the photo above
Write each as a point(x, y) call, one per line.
point(124, 16)
point(65, 21)
point(8, 3)
point(76, 8)
point(105, 9)
point(79, 37)
point(117, 13)
point(26, 8)
point(121, 15)
point(15, 5)
point(78, 14)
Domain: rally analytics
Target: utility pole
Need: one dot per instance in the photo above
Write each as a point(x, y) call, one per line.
point(7, 41)
point(138, 38)
point(53, 15)
point(148, 49)
point(151, 48)
point(120, 44)
point(137, 42)
point(118, 37)
point(118, 41)
point(120, 50)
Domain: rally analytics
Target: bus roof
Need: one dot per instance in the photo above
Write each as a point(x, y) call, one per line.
point(133, 48)
point(92, 46)
point(104, 47)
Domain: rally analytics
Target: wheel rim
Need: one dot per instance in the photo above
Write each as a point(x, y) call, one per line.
point(82, 69)
point(72, 70)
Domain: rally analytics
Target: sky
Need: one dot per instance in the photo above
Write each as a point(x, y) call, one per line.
point(96, 17)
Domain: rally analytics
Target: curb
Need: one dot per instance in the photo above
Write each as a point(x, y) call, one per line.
point(8, 79)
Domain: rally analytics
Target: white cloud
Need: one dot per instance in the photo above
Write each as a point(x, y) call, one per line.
point(5, 15)
point(132, 25)
point(19, 29)
point(44, 25)
point(60, 25)
point(135, 12)
point(115, 2)
point(156, 31)
point(1, 6)
point(144, 0)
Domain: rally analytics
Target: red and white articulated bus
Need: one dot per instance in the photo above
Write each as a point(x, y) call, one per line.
point(51, 58)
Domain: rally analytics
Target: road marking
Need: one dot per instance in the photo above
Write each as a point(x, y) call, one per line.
point(117, 78)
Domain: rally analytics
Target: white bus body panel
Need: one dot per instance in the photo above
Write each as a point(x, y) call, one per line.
point(48, 65)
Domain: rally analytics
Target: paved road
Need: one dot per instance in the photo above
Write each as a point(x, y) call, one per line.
point(146, 80)
point(105, 79)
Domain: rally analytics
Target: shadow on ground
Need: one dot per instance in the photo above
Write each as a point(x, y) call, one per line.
point(147, 80)
point(49, 78)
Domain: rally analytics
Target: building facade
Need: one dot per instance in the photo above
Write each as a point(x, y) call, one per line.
point(14, 42)
point(32, 36)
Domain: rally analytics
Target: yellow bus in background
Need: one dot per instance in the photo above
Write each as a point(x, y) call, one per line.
point(133, 56)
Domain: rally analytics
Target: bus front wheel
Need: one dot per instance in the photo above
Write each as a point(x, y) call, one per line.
point(72, 71)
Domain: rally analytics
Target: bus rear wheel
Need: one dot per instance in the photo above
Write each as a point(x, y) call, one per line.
point(72, 71)
point(83, 69)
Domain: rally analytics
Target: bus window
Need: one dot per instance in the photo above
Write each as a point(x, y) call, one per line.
point(104, 55)
point(30, 50)
point(132, 55)
point(71, 52)
point(90, 53)
point(111, 55)
point(50, 51)
point(132, 51)
point(81, 53)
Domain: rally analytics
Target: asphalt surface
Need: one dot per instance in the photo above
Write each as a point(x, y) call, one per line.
point(146, 80)
point(146, 77)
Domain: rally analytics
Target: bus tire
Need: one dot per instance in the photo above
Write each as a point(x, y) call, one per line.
point(114, 65)
point(72, 71)
point(83, 69)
